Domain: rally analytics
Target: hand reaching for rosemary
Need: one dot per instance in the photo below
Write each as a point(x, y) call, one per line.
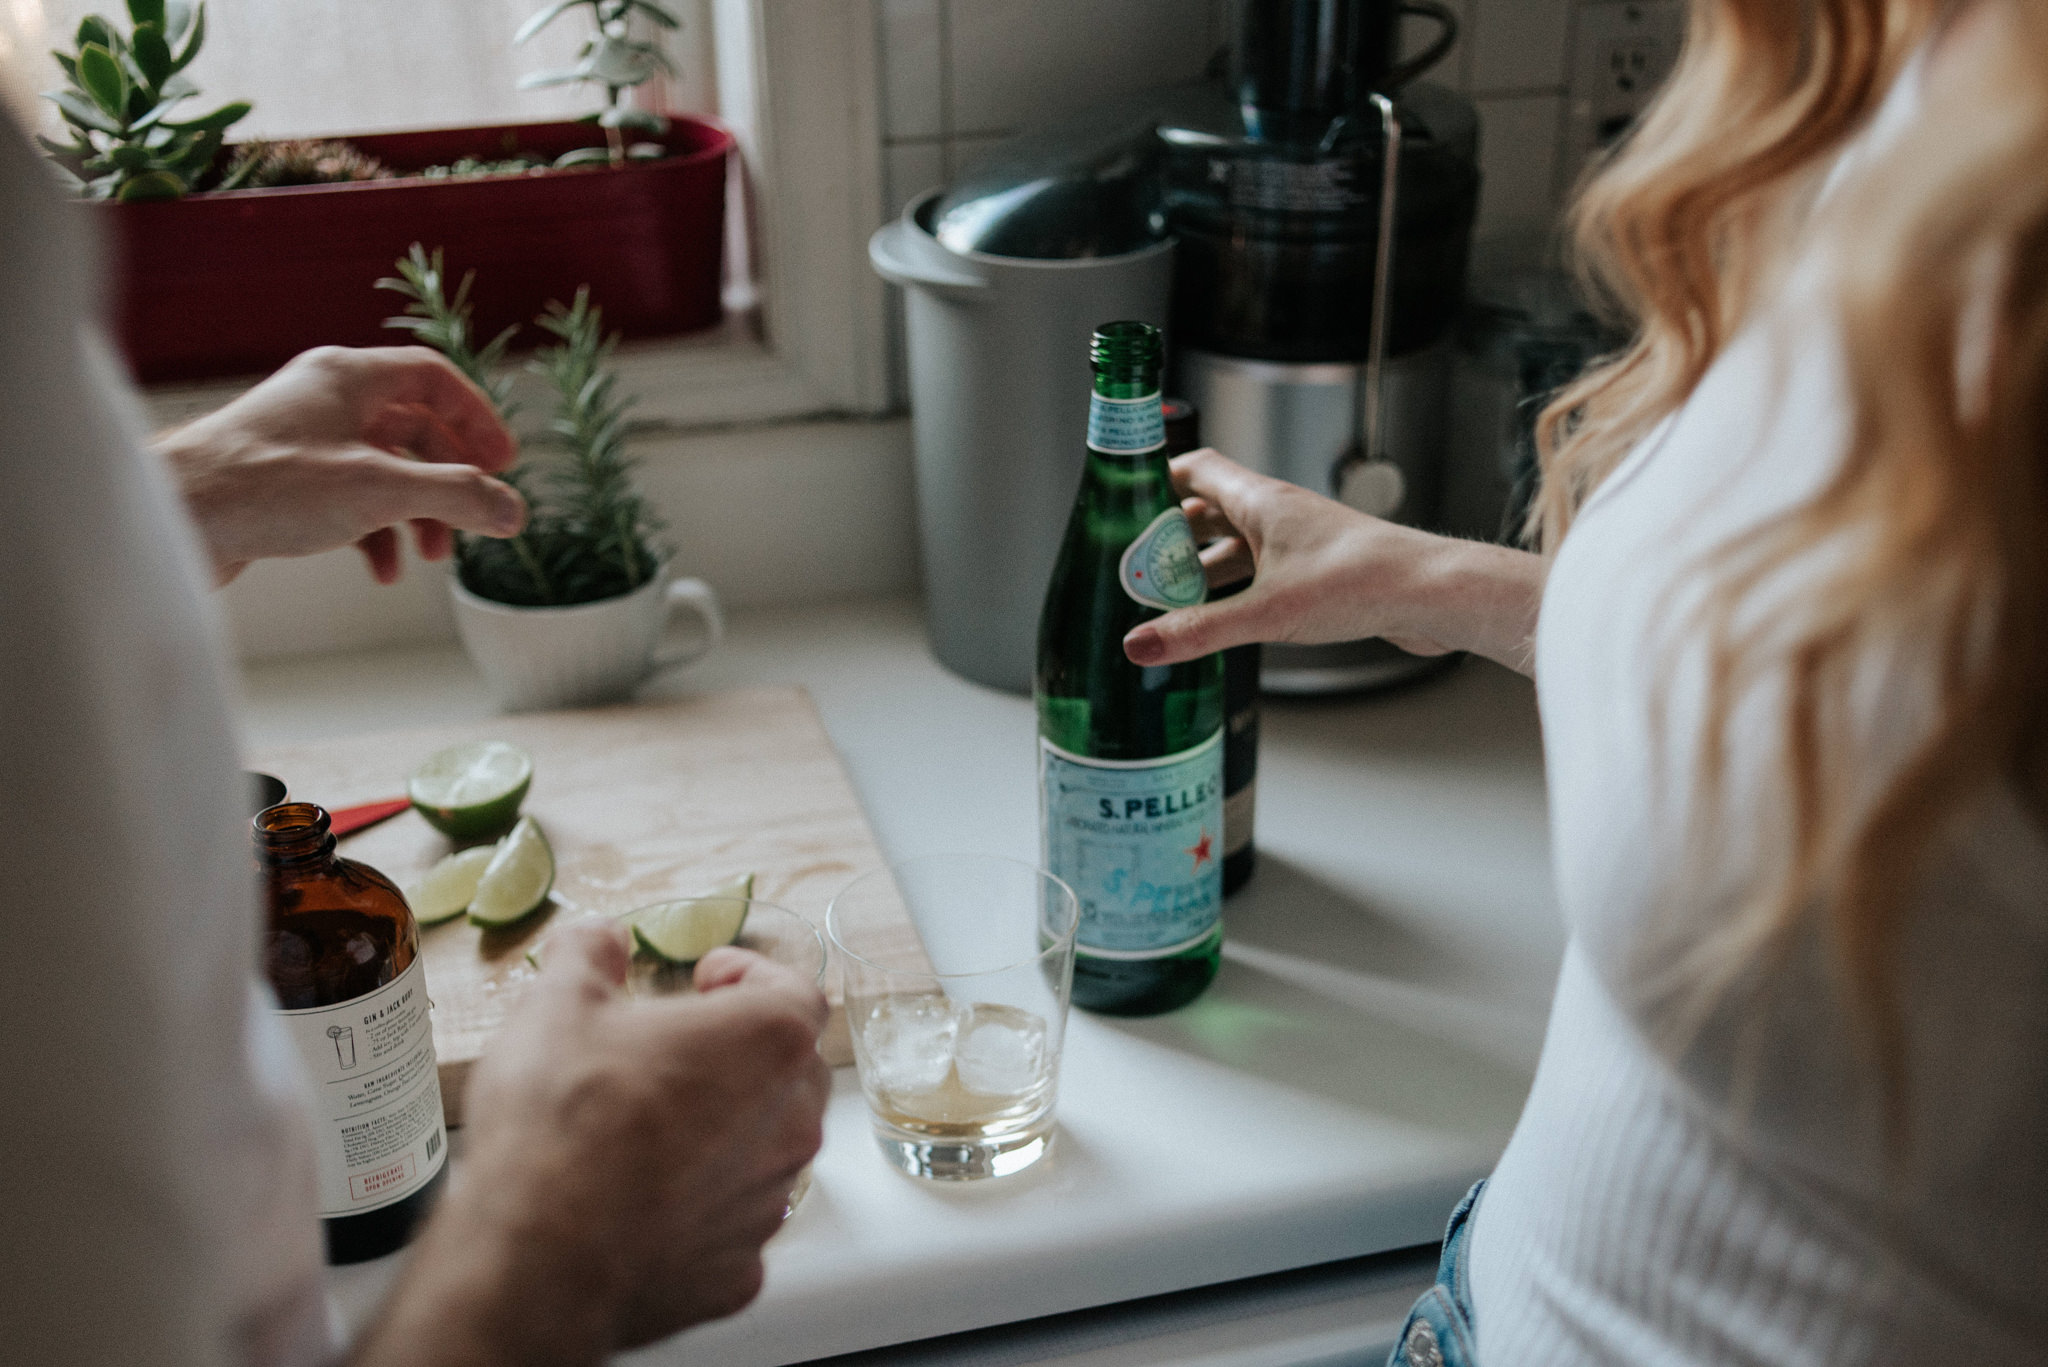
point(340, 447)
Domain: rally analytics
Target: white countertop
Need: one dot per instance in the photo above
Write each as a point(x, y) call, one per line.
point(1359, 1061)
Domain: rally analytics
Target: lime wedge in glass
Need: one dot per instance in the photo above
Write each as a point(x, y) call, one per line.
point(516, 881)
point(472, 791)
point(685, 930)
point(444, 892)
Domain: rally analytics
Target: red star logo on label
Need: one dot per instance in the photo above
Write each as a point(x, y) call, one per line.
point(1200, 850)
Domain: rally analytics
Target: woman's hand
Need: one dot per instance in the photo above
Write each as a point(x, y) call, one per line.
point(1328, 573)
point(624, 1161)
point(341, 447)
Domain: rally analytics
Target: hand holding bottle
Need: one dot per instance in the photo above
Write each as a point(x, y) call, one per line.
point(1329, 573)
point(625, 1160)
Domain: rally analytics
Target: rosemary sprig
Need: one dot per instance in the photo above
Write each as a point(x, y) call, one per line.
point(593, 536)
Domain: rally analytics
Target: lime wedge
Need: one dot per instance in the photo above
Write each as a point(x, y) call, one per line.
point(685, 930)
point(444, 891)
point(516, 881)
point(472, 791)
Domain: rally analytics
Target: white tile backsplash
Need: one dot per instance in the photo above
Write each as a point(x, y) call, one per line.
point(961, 75)
point(1022, 62)
point(913, 89)
point(962, 152)
point(908, 169)
point(1419, 31)
point(1518, 149)
point(1519, 45)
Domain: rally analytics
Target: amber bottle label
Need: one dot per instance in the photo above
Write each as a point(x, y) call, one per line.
point(378, 1131)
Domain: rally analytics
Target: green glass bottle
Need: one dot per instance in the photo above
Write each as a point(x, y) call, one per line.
point(1130, 758)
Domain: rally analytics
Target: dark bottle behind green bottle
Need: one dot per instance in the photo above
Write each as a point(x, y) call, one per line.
point(1130, 757)
point(1241, 665)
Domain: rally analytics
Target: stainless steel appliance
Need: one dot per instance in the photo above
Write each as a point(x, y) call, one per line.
point(1276, 186)
point(1295, 421)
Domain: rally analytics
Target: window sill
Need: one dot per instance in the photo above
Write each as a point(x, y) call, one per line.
point(800, 95)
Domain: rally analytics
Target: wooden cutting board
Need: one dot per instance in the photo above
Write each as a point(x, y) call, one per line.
point(640, 803)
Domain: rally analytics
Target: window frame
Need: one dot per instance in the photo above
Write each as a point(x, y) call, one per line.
point(810, 167)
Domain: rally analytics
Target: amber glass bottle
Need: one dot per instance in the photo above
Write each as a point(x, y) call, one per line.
point(343, 953)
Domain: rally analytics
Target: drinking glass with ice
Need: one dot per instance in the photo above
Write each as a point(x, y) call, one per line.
point(958, 1016)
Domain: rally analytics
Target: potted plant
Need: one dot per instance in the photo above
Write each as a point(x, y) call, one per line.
point(573, 610)
point(225, 270)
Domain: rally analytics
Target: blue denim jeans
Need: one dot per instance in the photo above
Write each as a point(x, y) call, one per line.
point(1439, 1328)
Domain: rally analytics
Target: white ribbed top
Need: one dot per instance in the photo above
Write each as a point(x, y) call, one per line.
point(1639, 1216)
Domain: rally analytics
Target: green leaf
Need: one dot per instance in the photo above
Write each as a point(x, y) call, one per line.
point(132, 158)
point(239, 172)
point(69, 63)
point(147, 12)
point(177, 88)
point(71, 159)
point(216, 121)
point(82, 112)
point(193, 39)
point(152, 185)
point(177, 19)
point(93, 29)
point(102, 78)
point(196, 158)
point(642, 120)
point(155, 116)
point(152, 54)
point(540, 20)
point(541, 80)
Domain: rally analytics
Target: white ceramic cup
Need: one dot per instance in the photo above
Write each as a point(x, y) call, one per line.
point(540, 657)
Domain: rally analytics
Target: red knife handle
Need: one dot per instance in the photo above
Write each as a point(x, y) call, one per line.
point(349, 820)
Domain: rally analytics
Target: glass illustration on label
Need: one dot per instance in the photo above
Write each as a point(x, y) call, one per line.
point(1141, 842)
point(1161, 568)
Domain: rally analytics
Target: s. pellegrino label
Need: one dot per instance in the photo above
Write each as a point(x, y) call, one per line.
point(1126, 427)
point(377, 1134)
point(1161, 568)
point(1141, 842)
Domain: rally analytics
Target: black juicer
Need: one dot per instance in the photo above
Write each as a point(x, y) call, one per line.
point(1273, 183)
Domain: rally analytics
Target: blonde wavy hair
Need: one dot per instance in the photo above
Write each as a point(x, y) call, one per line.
point(1942, 497)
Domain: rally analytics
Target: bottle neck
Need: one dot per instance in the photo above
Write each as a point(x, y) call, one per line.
point(293, 833)
point(1127, 430)
point(1134, 383)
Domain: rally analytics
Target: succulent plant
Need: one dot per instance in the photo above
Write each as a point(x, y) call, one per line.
point(613, 58)
point(123, 90)
point(592, 536)
point(300, 161)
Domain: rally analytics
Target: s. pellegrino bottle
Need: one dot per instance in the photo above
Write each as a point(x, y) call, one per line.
point(1130, 758)
point(342, 951)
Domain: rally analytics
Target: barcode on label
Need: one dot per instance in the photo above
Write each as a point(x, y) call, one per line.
point(433, 1144)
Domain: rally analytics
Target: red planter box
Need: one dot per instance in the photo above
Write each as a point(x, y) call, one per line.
point(238, 282)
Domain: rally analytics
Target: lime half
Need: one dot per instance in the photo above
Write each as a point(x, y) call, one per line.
point(444, 892)
point(685, 930)
point(472, 791)
point(517, 880)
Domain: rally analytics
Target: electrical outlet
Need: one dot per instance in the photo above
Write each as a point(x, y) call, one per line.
point(1621, 52)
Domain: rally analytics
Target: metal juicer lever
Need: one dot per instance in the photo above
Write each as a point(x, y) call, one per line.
point(1364, 478)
